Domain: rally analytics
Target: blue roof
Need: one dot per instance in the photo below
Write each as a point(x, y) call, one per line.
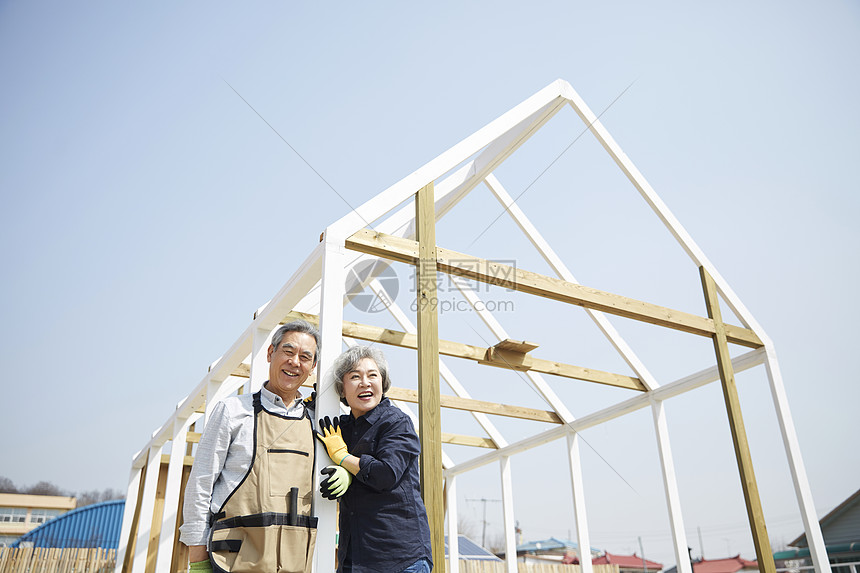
point(470, 550)
point(550, 544)
point(92, 526)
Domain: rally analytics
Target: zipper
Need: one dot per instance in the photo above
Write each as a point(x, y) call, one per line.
point(277, 451)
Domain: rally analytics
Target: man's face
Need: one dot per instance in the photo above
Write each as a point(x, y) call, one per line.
point(290, 364)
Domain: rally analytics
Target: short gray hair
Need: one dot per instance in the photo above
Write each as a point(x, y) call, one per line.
point(297, 326)
point(347, 362)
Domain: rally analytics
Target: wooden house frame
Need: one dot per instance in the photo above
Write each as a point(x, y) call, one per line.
point(378, 228)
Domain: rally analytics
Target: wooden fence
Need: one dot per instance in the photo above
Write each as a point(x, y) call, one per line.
point(71, 560)
point(54, 560)
point(475, 566)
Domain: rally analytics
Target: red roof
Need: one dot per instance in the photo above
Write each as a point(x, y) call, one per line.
point(729, 565)
point(626, 561)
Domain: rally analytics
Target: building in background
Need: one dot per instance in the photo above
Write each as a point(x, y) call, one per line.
point(628, 563)
point(470, 551)
point(92, 526)
point(551, 550)
point(20, 513)
point(841, 531)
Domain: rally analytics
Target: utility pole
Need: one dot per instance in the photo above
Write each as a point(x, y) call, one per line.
point(484, 520)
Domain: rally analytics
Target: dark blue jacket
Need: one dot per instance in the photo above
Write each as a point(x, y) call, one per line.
point(383, 523)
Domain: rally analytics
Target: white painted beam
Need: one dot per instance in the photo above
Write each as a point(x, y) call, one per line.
point(170, 514)
point(511, 126)
point(131, 494)
point(328, 402)
point(579, 513)
point(147, 507)
point(670, 486)
point(814, 538)
point(453, 526)
point(510, 524)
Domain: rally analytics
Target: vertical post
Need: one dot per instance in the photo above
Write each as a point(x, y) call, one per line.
point(670, 485)
point(736, 422)
point(814, 538)
point(508, 513)
point(579, 504)
point(157, 516)
point(170, 514)
point(429, 420)
point(259, 362)
point(453, 527)
point(327, 403)
point(147, 505)
point(127, 532)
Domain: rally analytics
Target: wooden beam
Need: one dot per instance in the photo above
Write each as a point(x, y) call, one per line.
point(429, 414)
point(497, 358)
point(475, 441)
point(515, 345)
point(186, 460)
point(242, 371)
point(452, 262)
point(739, 436)
point(470, 405)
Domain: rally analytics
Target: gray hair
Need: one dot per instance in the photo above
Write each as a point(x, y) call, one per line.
point(347, 362)
point(297, 326)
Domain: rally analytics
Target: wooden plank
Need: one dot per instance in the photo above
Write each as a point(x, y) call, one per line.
point(515, 345)
point(474, 441)
point(157, 513)
point(498, 358)
point(471, 405)
point(459, 264)
point(429, 413)
point(186, 461)
point(739, 436)
point(242, 371)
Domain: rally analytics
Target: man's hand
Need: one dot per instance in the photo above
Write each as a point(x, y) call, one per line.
point(197, 553)
point(311, 401)
point(333, 440)
point(200, 567)
point(336, 483)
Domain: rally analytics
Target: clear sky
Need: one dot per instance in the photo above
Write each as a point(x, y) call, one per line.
point(148, 211)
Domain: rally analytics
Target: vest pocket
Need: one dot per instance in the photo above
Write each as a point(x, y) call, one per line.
point(296, 549)
point(287, 469)
point(225, 554)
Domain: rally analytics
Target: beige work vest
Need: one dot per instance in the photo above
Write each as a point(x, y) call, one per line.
point(265, 526)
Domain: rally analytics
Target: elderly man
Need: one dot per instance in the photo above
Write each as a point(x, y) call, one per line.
point(247, 505)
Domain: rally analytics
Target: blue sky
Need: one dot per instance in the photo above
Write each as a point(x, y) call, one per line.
point(147, 212)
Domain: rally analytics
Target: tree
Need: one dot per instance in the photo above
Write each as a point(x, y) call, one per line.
point(44, 488)
point(96, 496)
point(6, 485)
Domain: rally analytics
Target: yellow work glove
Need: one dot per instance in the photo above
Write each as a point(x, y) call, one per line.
point(200, 567)
point(332, 439)
point(311, 401)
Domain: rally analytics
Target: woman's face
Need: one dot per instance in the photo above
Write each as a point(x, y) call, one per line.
point(362, 387)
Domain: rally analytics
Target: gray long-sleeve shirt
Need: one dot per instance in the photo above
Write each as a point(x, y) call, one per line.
point(223, 457)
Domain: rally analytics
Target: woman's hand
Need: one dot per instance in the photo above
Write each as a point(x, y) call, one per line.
point(332, 440)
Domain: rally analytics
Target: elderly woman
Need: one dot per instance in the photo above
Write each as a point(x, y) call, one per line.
point(383, 523)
